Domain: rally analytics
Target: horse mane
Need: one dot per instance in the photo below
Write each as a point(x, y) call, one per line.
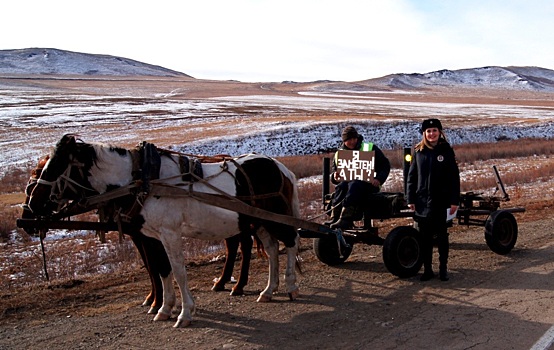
point(88, 153)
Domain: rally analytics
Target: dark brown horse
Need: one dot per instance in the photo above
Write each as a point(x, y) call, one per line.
point(154, 256)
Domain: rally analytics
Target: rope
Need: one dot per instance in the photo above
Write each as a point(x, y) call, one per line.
point(204, 159)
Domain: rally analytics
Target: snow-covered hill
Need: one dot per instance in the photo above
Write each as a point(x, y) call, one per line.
point(513, 78)
point(61, 62)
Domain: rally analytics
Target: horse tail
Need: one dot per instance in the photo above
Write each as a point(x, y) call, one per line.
point(295, 202)
point(295, 208)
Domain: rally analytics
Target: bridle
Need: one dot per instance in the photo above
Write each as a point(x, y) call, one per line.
point(63, 183)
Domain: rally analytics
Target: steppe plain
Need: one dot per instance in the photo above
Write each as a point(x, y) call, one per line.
point(491, 301)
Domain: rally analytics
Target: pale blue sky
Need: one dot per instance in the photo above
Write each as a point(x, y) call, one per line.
point(299, 40)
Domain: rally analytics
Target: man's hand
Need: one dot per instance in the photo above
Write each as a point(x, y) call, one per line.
point(375, 182)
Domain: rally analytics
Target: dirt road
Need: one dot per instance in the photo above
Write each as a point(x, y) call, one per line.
point(490, 302)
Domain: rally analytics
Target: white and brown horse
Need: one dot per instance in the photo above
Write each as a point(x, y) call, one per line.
point(153, 254)
point(77, 169)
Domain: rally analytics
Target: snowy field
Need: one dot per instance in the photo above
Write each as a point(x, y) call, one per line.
point(33, 121)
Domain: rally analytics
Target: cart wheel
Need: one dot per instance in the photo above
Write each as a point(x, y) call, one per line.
point(402, 252)
point(327, 251)
point(501, 232)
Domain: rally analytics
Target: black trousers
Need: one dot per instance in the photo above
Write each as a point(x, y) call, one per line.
point(434, 229)
point(354, 193)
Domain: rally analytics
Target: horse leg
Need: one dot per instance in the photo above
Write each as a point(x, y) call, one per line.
point(290, 272)
point(159, 267)
point(271, 246)
point(246, 243)
point(168, 299)
point(138, 241)
point(231, 248)
point(173, 246)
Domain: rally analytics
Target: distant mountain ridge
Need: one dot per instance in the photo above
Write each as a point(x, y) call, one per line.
point(62, 62)
point(516, 78)
point(39, 61)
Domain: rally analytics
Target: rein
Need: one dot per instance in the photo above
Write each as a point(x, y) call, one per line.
point(64, 183)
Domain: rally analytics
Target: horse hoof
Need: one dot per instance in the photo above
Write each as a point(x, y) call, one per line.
point(153, 310)
point(181, 323)
point(147, 302)
point(218, 287)
point(264, 299)
point(161, 317)
point(236, 292)
point(294, 294)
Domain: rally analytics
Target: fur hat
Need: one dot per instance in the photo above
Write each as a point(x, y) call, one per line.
point(430, 123)
point(348, 133)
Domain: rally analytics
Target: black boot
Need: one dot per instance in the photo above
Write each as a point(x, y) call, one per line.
point(443, 273)
point(346, 220)
point(427, 252)
point(443, 246)
point(335, 215)
point(427, 275)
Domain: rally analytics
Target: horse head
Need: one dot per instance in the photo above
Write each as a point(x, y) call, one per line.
point(62, 178)
point(27, 213)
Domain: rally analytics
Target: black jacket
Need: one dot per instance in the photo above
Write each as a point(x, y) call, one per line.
point(433, 179)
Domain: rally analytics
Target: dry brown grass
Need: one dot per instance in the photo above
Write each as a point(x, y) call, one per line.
point(469, 153)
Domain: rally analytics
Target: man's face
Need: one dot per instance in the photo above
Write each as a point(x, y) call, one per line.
point(351, 142)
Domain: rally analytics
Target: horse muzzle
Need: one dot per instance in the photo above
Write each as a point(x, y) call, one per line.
point(36, 209)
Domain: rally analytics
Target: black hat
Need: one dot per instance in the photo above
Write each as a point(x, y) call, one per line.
point(348, 133)
point(431, 123)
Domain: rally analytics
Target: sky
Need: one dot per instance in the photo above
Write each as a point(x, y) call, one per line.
point(291, 40)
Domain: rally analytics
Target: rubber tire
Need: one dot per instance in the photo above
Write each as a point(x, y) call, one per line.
point(327, 250)
point(402, 251)
point(501, 232)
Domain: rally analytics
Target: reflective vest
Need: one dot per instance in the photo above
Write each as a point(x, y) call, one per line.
point(366, 146)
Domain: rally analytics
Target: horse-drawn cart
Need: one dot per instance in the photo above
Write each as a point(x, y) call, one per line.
point(158, 196)
point(401, 246)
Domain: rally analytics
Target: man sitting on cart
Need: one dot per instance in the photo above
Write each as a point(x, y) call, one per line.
point(351, 197)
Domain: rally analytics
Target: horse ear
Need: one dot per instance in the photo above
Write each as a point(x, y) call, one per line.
point(67, 140)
